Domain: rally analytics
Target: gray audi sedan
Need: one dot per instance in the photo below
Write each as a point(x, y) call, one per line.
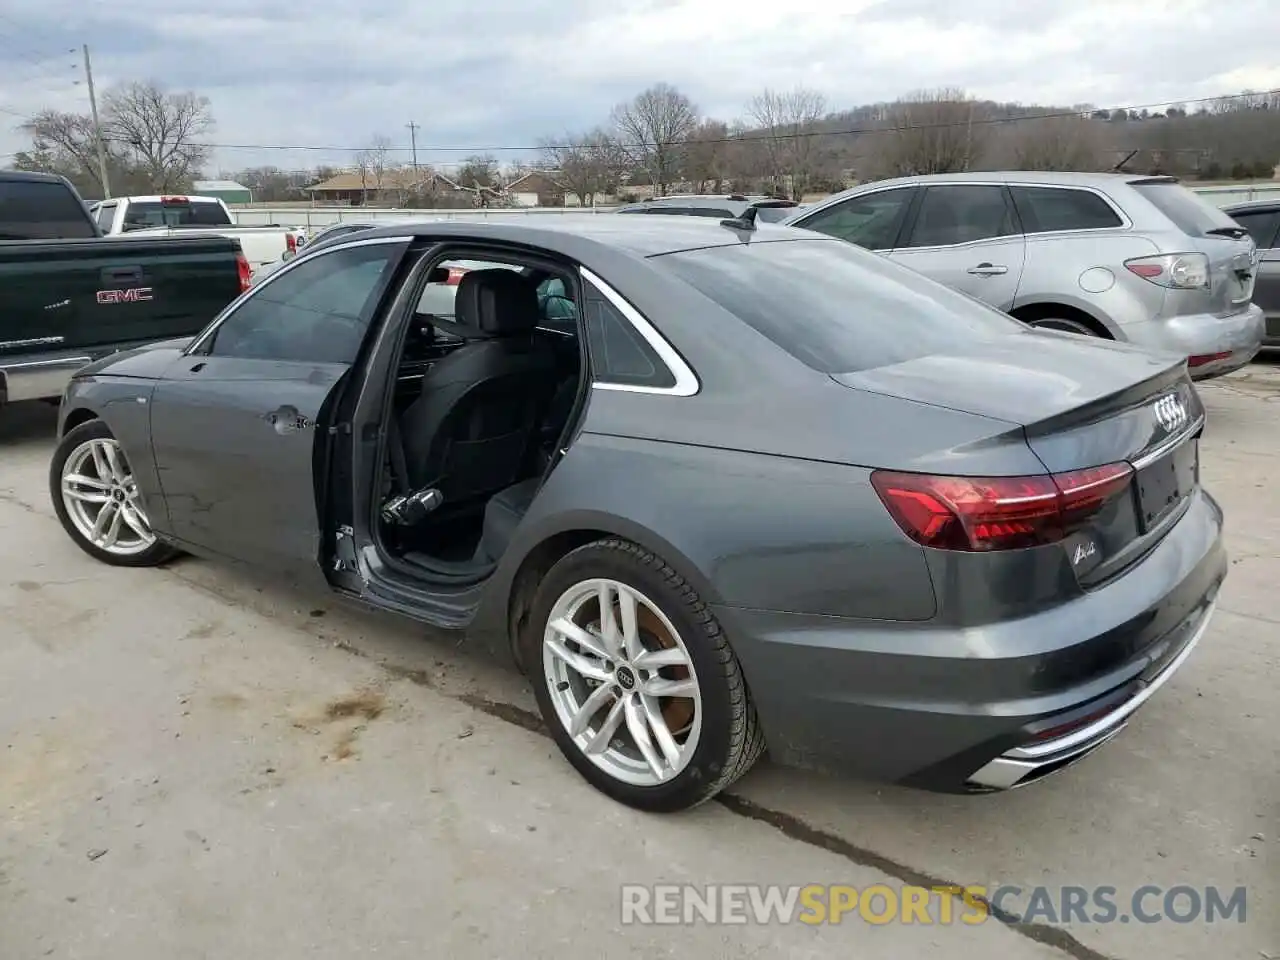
point(716, 487)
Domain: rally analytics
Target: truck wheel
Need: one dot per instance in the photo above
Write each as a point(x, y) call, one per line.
point(96, 499)
point(636, 680)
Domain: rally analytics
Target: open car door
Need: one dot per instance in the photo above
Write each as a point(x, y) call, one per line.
point(239, 423)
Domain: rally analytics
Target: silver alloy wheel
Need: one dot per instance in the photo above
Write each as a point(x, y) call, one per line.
point(622, 682)
point(101, 497)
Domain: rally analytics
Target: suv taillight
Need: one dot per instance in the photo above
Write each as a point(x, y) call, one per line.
point(245, 272)
point(1178, 271)
point(997, 513)
point(291, 242)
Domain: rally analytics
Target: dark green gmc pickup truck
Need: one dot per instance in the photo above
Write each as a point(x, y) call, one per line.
point(68, 295)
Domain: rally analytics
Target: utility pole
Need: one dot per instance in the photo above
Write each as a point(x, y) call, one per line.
point(97, 127)
point(413, 139)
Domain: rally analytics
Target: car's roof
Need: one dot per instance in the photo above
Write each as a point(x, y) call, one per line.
point(565, 233)
point(29, 176)
point(1256, 206)
point(1063, 177)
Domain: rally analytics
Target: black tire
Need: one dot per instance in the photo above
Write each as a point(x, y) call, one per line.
point(730, 741)
point(154, 555)
point(1066, 325)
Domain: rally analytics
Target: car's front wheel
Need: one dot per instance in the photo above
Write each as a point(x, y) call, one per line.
point(636, 680)
point(95, 496)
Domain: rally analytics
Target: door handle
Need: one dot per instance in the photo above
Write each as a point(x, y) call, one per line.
point(287, 419)
point(121, 274)
point(988, 270)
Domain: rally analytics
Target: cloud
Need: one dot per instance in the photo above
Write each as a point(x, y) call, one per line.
point(486, 74)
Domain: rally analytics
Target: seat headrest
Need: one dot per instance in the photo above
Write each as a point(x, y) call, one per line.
point(496, 302)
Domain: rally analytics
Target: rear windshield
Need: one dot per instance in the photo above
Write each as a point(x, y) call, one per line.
point(152, 213)
point(836, 307)
point(31, 210)
point(1190, 213)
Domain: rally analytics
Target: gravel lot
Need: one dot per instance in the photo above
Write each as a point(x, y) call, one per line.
point(196, 764)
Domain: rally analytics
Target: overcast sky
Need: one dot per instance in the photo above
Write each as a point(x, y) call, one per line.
point(486, 74)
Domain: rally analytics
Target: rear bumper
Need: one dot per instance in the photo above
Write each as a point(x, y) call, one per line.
point(986, 707)
point(1230, 341)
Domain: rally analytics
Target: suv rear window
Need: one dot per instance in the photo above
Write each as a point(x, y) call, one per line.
point(1190, 213)
point(834, 306)
point(32, 210)
point(152, 213)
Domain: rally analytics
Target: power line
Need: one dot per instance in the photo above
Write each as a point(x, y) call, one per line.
point(968, 122)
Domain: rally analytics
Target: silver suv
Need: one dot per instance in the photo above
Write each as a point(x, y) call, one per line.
point(1140, 259)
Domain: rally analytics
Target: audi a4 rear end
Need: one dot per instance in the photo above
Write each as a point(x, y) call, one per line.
point(1021, 550)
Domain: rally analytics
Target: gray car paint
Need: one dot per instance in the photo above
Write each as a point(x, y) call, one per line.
point(863, 650)
point(1266, 291)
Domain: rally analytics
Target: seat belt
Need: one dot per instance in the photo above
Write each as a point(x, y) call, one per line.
point(399, 469)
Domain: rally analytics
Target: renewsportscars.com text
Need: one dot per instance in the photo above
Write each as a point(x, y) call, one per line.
point(879, 904)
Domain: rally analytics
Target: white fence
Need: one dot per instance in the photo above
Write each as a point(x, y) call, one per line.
point(317, 218)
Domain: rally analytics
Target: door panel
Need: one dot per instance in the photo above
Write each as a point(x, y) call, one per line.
point(968, 237)
point(235, 445)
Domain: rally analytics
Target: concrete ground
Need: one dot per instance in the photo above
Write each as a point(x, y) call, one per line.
point(193, 764)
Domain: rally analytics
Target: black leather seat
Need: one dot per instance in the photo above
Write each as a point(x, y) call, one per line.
point(475, 428)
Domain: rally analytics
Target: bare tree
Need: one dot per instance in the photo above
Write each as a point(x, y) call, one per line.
point(654, 127)
point(479, 176)
point(936, 131)
point(707, 158)
point(587, 166)
point(788, 121)
point(159, 130)
point(373, 164)
point(1057, 143)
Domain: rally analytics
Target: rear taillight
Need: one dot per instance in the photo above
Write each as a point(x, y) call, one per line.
point(291, 243)
point(455, 275)
point(1201, 359)
point(246, 273)
point(997, 513)
point(173, 201)
point(1178, 271)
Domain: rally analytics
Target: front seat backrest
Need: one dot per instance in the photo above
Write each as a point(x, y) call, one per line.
point(474, 429)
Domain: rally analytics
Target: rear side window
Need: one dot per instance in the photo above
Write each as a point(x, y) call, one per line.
point(834, 307)
point(1191, 214)
point(153, 213)
point(32, 210)
point(1050, 209)
point(619, 353)
point(1262, 226)
point(106, 215)
point(961, 213)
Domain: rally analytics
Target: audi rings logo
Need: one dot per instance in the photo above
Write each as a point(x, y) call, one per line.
point(1171, 412)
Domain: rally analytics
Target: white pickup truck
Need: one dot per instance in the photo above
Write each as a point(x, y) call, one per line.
point(173, 215)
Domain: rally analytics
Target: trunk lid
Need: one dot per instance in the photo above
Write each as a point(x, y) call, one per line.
point(1230, 250)
point(1082, 403)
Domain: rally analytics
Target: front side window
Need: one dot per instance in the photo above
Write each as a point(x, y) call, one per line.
point(106, 214)
point(316, 312)
point(871, 221)
point(962, 213)
point(1051, 209)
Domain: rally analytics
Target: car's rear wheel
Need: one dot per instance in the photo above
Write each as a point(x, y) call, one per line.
point(636, 680)
point(95, 496)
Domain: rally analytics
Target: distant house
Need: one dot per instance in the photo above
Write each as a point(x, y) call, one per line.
point(228, 191)
point(394, 187)
point(537, 188)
